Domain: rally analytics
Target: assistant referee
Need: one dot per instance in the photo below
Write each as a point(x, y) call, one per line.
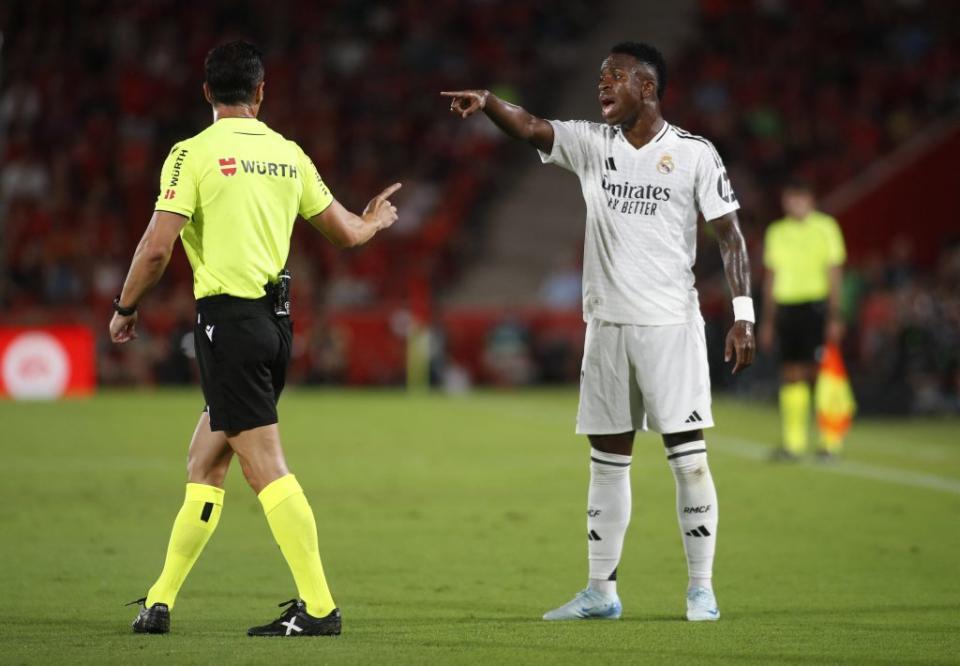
point(804, 255)
point(232, 194)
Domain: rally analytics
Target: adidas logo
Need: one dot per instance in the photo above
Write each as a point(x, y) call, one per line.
point(593, 536)
point(694, 418)
point(610, 164)
point(698, 532)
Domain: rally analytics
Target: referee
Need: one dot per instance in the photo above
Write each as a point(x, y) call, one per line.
point(803, 254)
point(232, 193)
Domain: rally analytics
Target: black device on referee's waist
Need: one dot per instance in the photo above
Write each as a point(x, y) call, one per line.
point(281, 294)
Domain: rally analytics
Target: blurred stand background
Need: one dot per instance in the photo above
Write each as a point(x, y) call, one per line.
point(478, 283)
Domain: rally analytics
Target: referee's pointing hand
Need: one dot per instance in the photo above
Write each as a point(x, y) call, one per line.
point(380, 210)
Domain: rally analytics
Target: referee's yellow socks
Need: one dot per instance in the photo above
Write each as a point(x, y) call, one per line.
point(795, 415)
point(192, 528)
point(295, 529)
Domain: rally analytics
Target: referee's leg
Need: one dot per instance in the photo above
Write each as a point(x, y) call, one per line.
point(260, 455)
point(207, 465)
point(208, 459)
point(287, 510)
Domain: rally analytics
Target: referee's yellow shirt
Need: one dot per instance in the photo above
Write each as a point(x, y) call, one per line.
point(800, 254)
point(242, 186)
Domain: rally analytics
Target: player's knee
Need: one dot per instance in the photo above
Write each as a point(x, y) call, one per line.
point(690, 467)
point(674, 439)
point(620, 444)
point(694, 468)
point(797, 372)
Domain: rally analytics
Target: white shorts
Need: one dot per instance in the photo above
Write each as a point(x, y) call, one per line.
point(638, 376)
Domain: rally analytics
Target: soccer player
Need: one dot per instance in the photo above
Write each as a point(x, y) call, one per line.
point(803, 253)
point(232, 193)
point(644, 182)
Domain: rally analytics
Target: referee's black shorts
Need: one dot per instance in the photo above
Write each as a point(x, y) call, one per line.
point(243, 350)
point(800, 331)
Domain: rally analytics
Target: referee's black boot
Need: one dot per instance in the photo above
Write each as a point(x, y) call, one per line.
point(295, 621)
point(153, 620)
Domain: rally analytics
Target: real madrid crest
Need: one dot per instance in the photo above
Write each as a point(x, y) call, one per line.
point(666, 164)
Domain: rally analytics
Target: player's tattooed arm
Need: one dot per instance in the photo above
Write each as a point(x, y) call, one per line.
point(736, 265)
point(515, 121)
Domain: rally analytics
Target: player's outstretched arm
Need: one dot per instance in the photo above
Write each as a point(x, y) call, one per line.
point(345, 229)
point(515, 121)
point(149, 261)
point(736, 265)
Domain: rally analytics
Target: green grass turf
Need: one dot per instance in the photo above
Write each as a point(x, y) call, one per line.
point(449, 525)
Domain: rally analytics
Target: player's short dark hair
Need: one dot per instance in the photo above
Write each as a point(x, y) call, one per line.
point(648, 55)
point(233, 71)
point(798, 184)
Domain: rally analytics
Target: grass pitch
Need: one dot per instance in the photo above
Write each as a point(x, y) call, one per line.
point(449, 525)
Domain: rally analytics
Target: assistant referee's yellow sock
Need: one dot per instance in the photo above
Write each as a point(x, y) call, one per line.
point(795, 415)
point(192, 528)
point(295, 530)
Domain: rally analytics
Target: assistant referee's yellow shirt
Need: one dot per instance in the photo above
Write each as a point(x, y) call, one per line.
point(800, 253)
point(241, 185)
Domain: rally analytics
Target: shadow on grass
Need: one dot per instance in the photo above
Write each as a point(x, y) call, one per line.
point(872, 609)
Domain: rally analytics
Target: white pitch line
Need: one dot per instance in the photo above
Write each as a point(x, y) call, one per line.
point(745, 448)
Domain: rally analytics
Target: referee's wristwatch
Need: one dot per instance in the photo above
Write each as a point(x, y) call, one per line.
point(120, 310)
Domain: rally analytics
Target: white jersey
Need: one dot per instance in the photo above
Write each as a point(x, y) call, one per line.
point(642, 205)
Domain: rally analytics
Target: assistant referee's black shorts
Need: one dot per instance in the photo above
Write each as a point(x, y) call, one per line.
point(800, 331)
point(243, 350)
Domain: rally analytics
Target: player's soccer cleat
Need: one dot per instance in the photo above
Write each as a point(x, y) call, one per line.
point(295, 621)
point(783, 455)
point(828, 457)
point(588, 605)
point(153, 620)
point(702, 605)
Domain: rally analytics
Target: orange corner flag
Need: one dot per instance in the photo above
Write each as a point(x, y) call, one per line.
point(833, 399)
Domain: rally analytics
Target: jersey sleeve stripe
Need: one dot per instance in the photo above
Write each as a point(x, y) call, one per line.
point(319, 209)
point(167, 207)
point(682, 134)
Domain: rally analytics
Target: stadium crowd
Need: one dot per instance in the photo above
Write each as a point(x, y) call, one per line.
point(815, 90)
point(94, 93)
point(819, 91)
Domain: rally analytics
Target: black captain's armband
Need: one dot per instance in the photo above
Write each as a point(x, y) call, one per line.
point(120, 310)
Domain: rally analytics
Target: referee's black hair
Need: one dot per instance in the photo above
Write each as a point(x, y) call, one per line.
point(649, 55)
point(798, 184)
point(233, 71)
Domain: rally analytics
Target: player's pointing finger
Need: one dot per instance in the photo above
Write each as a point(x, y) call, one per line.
point(390, 190)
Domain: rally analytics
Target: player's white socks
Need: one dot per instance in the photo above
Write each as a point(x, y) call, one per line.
point(608, 514)
point(696, 509)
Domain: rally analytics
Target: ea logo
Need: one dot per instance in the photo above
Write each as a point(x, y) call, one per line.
point(35, 366)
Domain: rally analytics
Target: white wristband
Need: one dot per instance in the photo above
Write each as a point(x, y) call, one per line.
point(743, 309)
